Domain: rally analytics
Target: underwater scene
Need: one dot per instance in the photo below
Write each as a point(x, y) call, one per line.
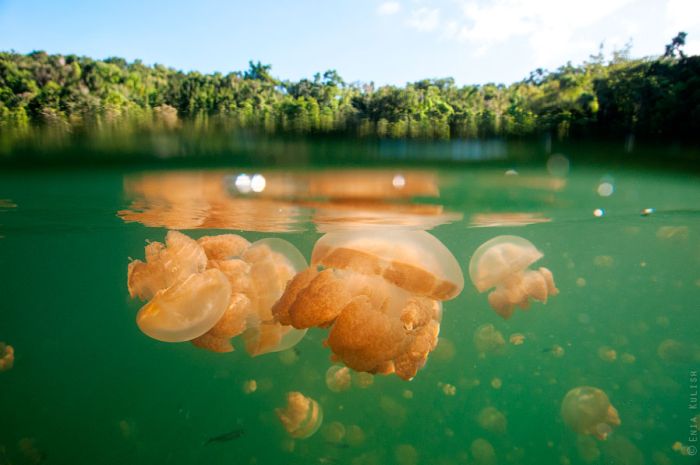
point(470, 315)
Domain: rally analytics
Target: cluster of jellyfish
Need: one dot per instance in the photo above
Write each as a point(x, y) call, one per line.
point(213, 289)
point(379, 295)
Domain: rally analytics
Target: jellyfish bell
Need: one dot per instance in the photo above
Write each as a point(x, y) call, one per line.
point(301, 417)
point(588, 411)
point(503, 263)
point(413, 260)
point(187, 310)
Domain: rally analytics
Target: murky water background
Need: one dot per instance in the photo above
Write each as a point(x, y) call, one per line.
point(88, 387)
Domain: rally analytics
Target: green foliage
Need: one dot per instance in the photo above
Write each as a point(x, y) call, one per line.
point(654, 97)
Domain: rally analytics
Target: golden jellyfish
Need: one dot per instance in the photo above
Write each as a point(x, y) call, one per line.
point(406, 454)
point(166, 264)
point(488, 340)
point(354, 436)
point(210, 290)
point(503, 263)
point(483, 452)
point(7, 356)
point(187, 310)
point(607, 354)
point(588, 411)
point(338, 378)
point(492, 420)
point(380, 293)
point(334, 432)
point(302, 415)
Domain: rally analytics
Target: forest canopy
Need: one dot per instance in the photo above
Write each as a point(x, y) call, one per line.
point(656, 97)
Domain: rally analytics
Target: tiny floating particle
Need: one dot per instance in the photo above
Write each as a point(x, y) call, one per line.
point(496, 383)
point(628, 358)
point(516, 339)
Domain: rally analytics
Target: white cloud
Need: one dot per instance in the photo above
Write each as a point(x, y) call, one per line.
point(389, 8)
point(551, 28)
point(424, 19)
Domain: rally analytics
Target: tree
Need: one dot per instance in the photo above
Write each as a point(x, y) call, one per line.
point(675, 46)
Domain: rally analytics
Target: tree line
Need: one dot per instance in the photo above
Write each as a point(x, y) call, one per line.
point(655, 97)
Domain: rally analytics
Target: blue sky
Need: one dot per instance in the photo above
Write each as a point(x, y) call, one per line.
point(385, 41)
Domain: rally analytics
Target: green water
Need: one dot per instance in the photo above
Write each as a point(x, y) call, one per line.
point(88, 387)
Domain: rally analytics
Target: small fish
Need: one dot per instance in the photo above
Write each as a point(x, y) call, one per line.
point(230, 436)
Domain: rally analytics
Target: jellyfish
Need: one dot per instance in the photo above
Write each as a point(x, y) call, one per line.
point(302, 415)
point(406, 454)
point(503, 263)
point(334, 432)
point(492, 420)
point(338, 378)
point(483, 452)
point(258, 274)
point(354, 435)
point(166, 264)
point(213, 289)
point(187, 310)
point(587, 448)
point(380, 294)
point(7, 356)
point(588, 411)
point(488, 340)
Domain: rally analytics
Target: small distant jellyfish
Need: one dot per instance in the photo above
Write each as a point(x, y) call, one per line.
point(406, 454)
point(334, 432)
point(492, 420)
point(588, 411)
point(250, 386)
point(354, 435)
point(7, 356)
point(503, 263)
point(362, 380)
point(338, 378)
point(302, 415)
point(483, 452)
point(488, 340)
point(607, 354)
